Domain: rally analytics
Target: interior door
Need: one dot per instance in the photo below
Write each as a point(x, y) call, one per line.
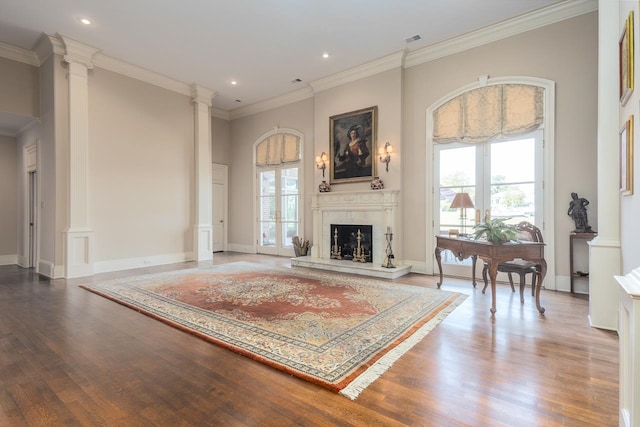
point(219, 200)
point(278, 213)
point(219, 206)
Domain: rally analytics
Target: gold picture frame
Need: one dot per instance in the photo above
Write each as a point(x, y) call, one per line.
point(626, 158)
point(626, 66)
point(353, 145)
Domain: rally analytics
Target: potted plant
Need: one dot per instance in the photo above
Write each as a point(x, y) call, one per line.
point(495, 230)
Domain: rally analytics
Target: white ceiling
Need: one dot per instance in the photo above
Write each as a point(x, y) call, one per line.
point(263, 44)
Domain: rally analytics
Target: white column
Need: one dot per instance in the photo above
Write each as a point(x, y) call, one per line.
point(604, 253)
point(78, 234)
point(202, 228)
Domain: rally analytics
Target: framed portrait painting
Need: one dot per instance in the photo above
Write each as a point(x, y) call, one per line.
point(626, 60)
point(353, 145)
point(626, 158)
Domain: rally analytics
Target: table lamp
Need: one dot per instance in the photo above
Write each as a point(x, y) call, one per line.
point(462, 201)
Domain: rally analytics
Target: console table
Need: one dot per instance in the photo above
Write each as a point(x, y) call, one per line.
point(494, 254)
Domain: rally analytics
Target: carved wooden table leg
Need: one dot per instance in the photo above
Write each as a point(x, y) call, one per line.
point(438, 250)
point(493, 272)
point(543, 272)
point(474, 259)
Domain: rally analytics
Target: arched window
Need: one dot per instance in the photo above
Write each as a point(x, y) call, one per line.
point(493, 140)
point(278, 185)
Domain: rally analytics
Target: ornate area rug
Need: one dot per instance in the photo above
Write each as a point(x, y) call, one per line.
point(338, 331)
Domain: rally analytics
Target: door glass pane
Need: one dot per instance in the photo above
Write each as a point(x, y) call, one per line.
point(513, 180)
point(457, 175)
point(289, 205)
point(268, 208)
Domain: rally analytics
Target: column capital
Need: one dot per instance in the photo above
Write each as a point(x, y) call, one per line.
point(76, 52)
point(201, 94)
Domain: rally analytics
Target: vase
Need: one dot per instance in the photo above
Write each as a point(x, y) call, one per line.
point(377, 184)
point(324, 187)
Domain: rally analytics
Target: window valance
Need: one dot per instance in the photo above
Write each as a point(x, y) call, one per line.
point(277, 149)
point(488, 112)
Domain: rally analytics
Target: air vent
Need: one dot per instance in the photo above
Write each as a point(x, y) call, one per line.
point(413, 38)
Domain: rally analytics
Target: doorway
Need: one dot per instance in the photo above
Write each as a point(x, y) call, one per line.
point(278, 210)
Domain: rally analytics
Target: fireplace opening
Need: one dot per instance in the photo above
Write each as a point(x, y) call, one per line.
point(352, 242)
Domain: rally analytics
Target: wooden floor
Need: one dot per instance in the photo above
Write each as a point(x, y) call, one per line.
point(69, 357)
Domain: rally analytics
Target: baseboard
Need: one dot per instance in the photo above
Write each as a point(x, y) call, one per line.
point(416, 266)
point(246, 249)
point(149, 261)
point(48, 269)
point(8, 259)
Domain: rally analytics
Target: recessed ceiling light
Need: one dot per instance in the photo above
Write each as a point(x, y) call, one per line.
point(238, 100)
point(296, 80)
point(85, 21)
point(325, 55)
point(233, 82)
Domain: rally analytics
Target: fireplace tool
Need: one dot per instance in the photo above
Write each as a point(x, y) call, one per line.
point(388, 261)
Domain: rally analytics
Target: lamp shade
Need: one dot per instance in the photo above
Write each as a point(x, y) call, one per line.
point(461, 200)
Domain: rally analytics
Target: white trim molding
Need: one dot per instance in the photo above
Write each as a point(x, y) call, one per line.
point(511, 27)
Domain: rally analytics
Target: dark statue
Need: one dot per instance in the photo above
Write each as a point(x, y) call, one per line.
point(578, 212)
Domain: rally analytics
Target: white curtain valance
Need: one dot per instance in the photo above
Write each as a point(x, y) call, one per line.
point(277, 149)
point(488, 112)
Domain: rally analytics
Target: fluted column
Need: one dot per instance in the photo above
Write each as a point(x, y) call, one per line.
point(202, 228)
point(78, 234)
point(604, 252)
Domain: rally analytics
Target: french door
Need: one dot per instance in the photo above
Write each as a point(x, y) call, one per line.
point(278, 210)
point(503, 179)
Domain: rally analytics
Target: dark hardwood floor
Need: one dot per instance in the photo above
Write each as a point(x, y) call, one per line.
point(69, 357)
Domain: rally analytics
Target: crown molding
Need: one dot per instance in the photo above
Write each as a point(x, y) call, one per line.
point(48, 45)
point(19, 54)
point(371, 68)
point(502, 30)
point(117, 66)
point(278, 101)
point(78, 52)
point(220, 113)
point(201, 94)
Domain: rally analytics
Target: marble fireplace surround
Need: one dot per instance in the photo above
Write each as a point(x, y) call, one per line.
point(379, 208)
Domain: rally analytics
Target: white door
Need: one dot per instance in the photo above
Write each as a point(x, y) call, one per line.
point(219, 209)
point(503, 179)
point(278, 213)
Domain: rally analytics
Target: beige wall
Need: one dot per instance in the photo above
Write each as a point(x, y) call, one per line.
point(19, 88)
point(9, 197)
point(220, 140)
point(141, 179)
point(566, 53)
point(244, 134)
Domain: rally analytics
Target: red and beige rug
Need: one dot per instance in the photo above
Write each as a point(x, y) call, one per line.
point(338, 331)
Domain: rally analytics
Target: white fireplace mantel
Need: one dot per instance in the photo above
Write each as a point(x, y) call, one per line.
point(378, 208)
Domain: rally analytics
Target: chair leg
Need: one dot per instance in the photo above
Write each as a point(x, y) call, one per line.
point(534, 276)
point(522, 283)
point(511, 283)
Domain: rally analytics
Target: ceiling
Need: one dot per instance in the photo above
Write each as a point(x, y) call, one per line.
point(264, 45)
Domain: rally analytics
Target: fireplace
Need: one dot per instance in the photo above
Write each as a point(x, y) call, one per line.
point(378, 210)
point(351, 242)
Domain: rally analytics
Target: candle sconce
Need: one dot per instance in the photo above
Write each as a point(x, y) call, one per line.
point(386, 152)
point(321, 162)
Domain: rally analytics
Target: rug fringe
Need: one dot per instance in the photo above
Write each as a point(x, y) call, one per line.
point(357, 386)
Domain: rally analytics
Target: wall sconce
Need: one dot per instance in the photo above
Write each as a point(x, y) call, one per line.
point(386, 152)
point(321, 162)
